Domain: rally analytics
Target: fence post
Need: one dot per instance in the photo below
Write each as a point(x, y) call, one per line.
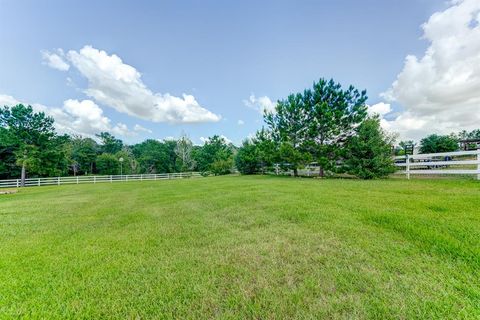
point(77, 179)
point(94, 179)
point(126, 178)
point(38, 182)
point(58, 181)
point(408, 166)
point(141, 177)
point(478, 164)
point(110, 178)
point(18, 183)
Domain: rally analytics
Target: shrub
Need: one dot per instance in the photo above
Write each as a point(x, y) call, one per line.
point(368, 153)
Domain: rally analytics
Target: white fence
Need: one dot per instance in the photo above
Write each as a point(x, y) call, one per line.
point(15, 183)
point(458, 162)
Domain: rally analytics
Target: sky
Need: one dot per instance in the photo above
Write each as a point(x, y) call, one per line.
point(158, 69)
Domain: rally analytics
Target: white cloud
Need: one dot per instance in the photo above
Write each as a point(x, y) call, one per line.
point(440, 92)
point(240, 122)
point(119, 85)
point(9, 101)
point(260, 104)
point(139, 128)
point(55, 60)
point(380, 108)
point(76, 117)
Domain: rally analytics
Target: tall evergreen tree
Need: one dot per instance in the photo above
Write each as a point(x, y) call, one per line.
point(289, 127)
point(333, 114)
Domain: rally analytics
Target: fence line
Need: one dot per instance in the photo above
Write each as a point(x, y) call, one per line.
point(32, 182)
point(440, 163)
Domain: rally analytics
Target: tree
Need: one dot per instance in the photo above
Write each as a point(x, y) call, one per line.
point(437, 143)
point(464, 135)
point(333, 115)
point(108, 164)
point(215, 150)
point(289, 127)
point(368, 153)
point(8, 166)
point(31, 138)
point(129, 164)
point(246, 159)
point(404, 146)
point(154, 156)
point(83, 154)
point(267, 149)
point(109, 143)
point(183, 150)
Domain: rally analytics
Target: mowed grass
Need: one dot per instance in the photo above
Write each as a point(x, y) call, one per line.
point(242, 247)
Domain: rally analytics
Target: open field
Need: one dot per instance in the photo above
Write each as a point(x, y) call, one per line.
point(242, 247)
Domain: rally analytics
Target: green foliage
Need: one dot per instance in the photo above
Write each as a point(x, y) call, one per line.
point(129, 164)
point(83, 154)
point(404, 147)
point(333, 115)
point(222, 166)
point(108, 164)
point(31, 139)
point(246, 159)
point(368, 154)
point(464, 135)
point(267, 148)
point(109, 144)
point(289, 127)
point(437, 143)
point(315, 124)
point(154, 156)
point(215, 155)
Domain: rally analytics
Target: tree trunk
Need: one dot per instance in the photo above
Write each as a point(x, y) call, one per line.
point(295, 172)
point(321, 172)
point(22, 177)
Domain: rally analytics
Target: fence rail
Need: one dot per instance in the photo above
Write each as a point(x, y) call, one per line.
point(32, 182)
point(457, 162)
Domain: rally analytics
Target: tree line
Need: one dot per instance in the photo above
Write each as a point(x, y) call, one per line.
point(326, 126)
point(31, 147)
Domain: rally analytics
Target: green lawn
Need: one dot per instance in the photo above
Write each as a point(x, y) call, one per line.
point(242, 247)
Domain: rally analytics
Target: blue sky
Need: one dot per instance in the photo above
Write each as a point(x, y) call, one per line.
point(218, 52)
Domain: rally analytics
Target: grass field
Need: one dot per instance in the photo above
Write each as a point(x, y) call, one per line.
point(242, 247)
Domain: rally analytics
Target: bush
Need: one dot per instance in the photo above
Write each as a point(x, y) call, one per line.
point(246, 158)
point(368, 153)
point(220, 167)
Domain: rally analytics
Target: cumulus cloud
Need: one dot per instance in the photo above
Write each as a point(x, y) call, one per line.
point(380, 108)
point(139, 128)
point(260, 104)
point(75, 117)
point(440, 92)
point(118, 85)
point(55, 60)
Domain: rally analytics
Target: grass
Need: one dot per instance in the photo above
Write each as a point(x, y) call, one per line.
point(242, 247)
